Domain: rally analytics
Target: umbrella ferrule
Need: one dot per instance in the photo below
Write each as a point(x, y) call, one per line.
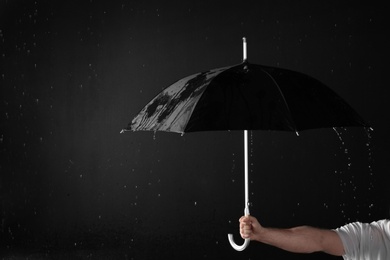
point(244, 49)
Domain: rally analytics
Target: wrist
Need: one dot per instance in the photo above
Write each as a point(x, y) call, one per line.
point(261, 235)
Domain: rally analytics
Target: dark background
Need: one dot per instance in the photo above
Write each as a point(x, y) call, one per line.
point(74, 73)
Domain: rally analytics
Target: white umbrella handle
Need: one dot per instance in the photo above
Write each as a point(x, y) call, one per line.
point(247, 240)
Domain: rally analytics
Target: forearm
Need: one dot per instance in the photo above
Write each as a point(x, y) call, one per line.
point(302, 239)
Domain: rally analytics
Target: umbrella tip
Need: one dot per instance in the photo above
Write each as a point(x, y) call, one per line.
point(244, 48)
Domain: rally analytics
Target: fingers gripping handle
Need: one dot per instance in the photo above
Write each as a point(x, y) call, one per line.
point(246, 242)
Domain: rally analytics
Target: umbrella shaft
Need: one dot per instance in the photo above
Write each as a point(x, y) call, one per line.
point(246, 209)
point(246, 172)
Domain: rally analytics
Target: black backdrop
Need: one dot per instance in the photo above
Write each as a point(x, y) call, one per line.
point(74, 73)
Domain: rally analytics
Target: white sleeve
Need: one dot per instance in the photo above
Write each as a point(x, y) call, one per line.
point(350, 235)
point(366, 241)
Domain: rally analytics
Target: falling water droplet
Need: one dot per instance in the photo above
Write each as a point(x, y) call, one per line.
point(370, 188)
point(233, 165)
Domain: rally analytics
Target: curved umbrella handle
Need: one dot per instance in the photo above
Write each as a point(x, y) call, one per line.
point(237, 247)
point(247, 240)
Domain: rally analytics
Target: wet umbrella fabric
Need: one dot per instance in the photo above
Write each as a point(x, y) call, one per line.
point(245, 97)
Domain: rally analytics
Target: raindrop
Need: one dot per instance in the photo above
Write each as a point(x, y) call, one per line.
point(369, 131)
point(233, 165)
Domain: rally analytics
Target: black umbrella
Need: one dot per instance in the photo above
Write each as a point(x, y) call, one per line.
point(245, 97)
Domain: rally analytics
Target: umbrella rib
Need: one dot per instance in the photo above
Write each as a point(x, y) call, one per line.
point(281, 93)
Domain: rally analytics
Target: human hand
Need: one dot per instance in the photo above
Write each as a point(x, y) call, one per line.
point(249, 227)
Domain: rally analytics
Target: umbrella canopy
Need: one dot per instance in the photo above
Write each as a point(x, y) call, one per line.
point(245, 97)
